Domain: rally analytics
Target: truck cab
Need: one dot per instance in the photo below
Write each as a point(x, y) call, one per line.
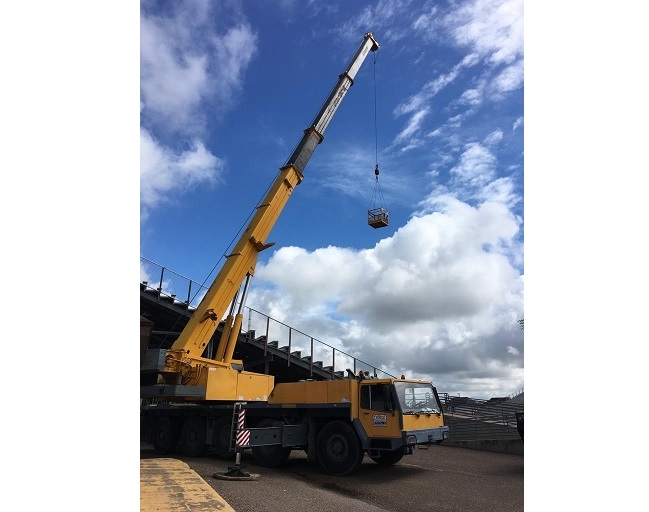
point(406, 411)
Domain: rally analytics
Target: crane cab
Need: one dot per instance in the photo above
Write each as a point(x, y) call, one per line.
point(377, 217)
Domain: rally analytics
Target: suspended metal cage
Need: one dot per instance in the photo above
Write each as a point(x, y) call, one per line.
point(377, 218)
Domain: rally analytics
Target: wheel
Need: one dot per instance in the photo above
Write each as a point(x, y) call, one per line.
point(192, 437)
point(221, 439)
point(390, 458)
point(339, 450)
point(165, 435)
point(270, 456)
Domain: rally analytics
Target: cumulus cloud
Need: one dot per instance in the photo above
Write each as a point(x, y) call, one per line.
point(442, 295)
point(163, 170)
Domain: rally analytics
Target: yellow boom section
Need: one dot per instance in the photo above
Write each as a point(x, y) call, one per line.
point(241, 262)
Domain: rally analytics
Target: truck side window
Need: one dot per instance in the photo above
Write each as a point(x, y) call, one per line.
point(376, 397)
point(365, 397)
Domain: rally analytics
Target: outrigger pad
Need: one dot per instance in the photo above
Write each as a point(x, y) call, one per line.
point(236, 472)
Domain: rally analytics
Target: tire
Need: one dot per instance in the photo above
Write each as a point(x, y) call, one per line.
point(192, 437)
point(390, 458)
point(221, 439)
point(165, 435)
point(339, 451)
point(270, 456)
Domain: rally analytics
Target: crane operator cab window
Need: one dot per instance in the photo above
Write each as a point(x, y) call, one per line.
point(377, 397)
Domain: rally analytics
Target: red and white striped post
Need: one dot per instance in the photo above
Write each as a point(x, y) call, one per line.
point(243, 435)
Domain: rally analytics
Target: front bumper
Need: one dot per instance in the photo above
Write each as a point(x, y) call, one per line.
point(426, 436)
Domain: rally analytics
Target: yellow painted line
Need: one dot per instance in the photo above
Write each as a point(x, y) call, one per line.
point(170, 485)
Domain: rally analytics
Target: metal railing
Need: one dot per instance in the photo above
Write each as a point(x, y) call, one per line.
point(471, 419)
point(185, 292)
point(170, 284)
point(307, 348)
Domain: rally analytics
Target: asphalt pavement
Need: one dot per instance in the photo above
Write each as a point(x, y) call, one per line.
point(440, 478)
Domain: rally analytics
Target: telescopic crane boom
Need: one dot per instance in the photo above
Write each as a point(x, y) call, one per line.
point(221, 377)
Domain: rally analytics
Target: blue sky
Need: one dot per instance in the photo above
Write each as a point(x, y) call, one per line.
point(226, 89)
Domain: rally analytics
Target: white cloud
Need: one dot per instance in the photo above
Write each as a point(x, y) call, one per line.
point(378, 18)
point(517, 123)
point(471, 97)
point(492, 33)
point(491, 28)
point(414, 123)
point(441, 295)
point(426, 22)
point(163, 171)
point(171, 84)
point(493, 138)
point(509, 79)
point(430, 89)
point(500, 190)
point(180, 71)
point(476, 166)
point(233, 52)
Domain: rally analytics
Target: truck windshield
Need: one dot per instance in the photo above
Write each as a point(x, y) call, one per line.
point(417, 398)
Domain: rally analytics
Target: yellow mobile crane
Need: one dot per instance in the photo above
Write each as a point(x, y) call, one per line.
point(336, 422)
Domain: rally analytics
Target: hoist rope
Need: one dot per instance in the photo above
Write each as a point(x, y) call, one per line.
point(377, 193)
point(376, 136)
